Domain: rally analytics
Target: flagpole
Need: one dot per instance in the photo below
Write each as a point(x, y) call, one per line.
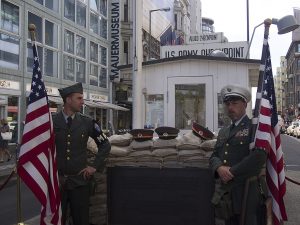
point(267, 23)
point(31, 29)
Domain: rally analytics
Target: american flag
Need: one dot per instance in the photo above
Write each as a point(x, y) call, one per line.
point(37, 159)
point(267, 136)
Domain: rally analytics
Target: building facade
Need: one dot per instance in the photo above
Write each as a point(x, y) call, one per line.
point(73, 46)
point(280, 81)
point(293, 72)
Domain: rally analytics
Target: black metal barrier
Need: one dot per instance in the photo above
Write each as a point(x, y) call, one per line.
point(153, 196)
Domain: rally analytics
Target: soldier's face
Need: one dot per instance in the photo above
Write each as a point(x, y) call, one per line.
point(75, 102)
point(235, 109)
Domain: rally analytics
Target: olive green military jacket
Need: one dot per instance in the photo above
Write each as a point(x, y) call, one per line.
point(71, 147)
point(232, 149)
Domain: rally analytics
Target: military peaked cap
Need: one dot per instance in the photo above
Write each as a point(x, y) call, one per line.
point(202, 132)
point(75, 88)
point(142, 134)
point(167, 132)
point(233, 92)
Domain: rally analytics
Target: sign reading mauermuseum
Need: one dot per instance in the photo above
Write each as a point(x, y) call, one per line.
point(204, 38)
point(115, 40)
point(231, 49)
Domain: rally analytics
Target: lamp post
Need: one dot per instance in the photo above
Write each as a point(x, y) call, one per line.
point(284, 25)
point(149, 41)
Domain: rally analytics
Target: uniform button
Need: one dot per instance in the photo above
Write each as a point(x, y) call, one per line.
point(227, 144)
point(69, 135)
point(226, 153)
point(69, 143)
point(68, 150)
point(82, 135)
point(225, 161)
point(68, 158)
point(241, 142)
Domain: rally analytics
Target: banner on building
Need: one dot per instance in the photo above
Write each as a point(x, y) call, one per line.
point(231, 49)
point(115, 41)
point(204, 38)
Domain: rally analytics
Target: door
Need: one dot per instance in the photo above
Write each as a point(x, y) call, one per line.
point(190, 99)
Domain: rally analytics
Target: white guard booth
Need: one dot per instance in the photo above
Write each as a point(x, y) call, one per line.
point(179, 90)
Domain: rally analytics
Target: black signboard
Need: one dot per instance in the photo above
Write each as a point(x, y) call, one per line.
point(153, 196)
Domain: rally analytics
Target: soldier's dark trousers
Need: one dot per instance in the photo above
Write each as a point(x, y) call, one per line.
point(235, 220)
point(78, 200)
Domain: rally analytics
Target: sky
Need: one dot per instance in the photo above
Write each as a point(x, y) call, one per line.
point(230, 18)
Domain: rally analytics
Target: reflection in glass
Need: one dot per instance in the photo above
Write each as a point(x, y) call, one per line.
point(103, 55)
point(69, 68)
point(94, 52)
point(189, 105)
point(51, 63)
point(81, 14)
point(94, 23)
point(223, 119)
point(80, 46)
point(30, 57)
point(94, 5)
point(103, 7)
point(51, 34)
point(69, 41)
point(70, 9)
point(103, 78)
point(80, 71)
point(103, 27)
point(154, 111)
point(38, 22)
point(52, 4)
point(93, 75)
point(9, 52)
point(9, 17)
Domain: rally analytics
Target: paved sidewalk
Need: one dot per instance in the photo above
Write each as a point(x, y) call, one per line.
point(292, 197)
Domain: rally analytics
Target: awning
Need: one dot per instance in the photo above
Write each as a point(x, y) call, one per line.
point(104, 105)
point(92, 104)
point(55, 99)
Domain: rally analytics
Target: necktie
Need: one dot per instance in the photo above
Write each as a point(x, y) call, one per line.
point(69, 123)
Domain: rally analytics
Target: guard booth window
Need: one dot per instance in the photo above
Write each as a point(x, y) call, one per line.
point(189, 105)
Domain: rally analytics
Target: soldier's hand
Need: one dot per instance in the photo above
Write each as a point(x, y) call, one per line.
point(225, 174)
point(87, 172)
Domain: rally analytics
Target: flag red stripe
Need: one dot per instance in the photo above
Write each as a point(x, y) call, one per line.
point(34, 132)
point(42, 147)
point(37, 113)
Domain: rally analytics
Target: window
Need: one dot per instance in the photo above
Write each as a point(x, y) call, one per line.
point(75, 57)
point(70, 9)
point(80, 46)
point(69, 68)
point(30, 57)
point(103, 77)
point(47, 46)
point(298, 50)
point(50, 4)
point(103, 7)
point(189, 105)
point(126, 51)
point(81, 14)
point(51, 34)
point(298, 63)
point(98, 17)
point(80, 6)
point(9, 51)
point(69, 42)
point(98, 70)
point(9, 17)
point(94, 52)
point(38, 22)
point(94, 23)
point(103, 27)
point(103, 55)
point(126, 12)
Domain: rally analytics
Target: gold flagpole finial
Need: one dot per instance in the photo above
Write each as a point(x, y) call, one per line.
point(31, 28)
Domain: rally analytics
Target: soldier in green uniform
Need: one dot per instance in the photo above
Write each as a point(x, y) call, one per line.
point(72, 130)
point(233, 163)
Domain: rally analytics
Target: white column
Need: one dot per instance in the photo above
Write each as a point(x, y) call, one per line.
point(137, 101)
